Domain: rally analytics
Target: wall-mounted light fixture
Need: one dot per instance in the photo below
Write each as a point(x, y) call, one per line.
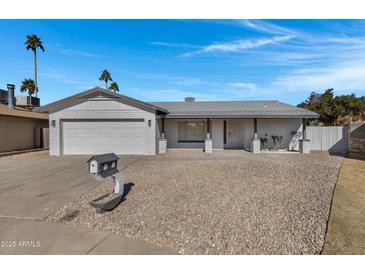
point(149, 123)
point(53, 123)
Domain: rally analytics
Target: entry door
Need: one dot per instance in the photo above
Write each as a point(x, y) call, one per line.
point(234, 134)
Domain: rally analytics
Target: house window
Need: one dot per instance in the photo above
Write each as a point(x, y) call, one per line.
point(191, 131)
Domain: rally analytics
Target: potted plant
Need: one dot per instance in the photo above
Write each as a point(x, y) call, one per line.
point(263, 142)
point(280, 138)
point(294, 140)
point(276, 141)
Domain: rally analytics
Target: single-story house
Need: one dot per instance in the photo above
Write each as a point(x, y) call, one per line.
point(100, 121)
point(20, 129)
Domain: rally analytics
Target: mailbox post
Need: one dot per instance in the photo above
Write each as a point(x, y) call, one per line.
point(101, 167)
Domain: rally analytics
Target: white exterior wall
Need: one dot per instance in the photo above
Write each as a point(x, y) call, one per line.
point(101, 108)
point(280, 127)
point(248, 132)
point(158, 129)
point(217, 134)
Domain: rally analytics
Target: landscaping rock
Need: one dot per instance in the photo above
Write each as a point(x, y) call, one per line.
point(227, 202)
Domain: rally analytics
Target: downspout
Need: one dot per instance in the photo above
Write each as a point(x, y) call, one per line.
point(208, 128)
point(304, 123)
point(255, 128)
point(163, 128)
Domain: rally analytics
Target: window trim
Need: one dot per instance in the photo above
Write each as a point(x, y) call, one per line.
point(192, 141)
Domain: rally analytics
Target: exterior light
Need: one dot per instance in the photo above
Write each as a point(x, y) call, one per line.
point(149, 123)
point(53, 123)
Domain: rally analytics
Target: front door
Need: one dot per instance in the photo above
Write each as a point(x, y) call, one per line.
point(234, 134)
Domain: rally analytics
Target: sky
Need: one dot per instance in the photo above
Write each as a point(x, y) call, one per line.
point(167, 60)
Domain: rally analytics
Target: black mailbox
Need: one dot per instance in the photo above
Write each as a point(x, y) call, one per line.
point(103, 165)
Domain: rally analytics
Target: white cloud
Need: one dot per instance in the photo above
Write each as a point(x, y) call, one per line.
point(242, 85)
point(342, 76)
point(266, 27)
point(178, 95)
point(81, 53)
point(173, 45)
point(238, 45)
point(65, 79)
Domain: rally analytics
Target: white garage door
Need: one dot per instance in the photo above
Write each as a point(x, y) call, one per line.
point(104, 136)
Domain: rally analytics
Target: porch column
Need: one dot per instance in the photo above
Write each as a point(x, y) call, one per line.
point(208, 128)
point(304, 143)
point(304, 124)
point(208, 144)
point(255, 142)
point(162, 143)
point(255, 128)
point(163, 128)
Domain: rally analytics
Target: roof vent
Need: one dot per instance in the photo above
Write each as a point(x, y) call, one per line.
point(190, 99)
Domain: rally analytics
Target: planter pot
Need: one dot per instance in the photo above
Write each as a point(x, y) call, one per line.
point(162, 146)
point(304, 146)
point(107, 202)
point(208, 146)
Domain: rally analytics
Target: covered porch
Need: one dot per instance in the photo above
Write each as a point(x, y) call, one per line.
point(251, 134)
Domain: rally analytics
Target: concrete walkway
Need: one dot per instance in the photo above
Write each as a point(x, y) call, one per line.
point(29, 236)
point(346, 227)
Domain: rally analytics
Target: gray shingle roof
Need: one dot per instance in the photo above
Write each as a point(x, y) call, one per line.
point(234, 109)
point(203, 109)
point(77, 98)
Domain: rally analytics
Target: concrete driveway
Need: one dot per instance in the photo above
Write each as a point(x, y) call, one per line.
point(33, 185)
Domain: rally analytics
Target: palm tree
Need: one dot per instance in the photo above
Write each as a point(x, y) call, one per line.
point(33, 42)
point(106, 77)
point(28, 85)
point(114, 87)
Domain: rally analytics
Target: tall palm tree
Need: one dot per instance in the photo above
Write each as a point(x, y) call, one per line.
point(106, 77)
point(114, 87)
point(33, 42)
point(28, 85)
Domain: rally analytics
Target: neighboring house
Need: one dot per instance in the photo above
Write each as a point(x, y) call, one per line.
point(100, 121)
point(20, 129)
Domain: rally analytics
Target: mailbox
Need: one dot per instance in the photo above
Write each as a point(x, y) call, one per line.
point(103, 165)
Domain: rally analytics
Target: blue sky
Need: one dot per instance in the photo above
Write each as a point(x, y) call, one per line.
point(167, 60)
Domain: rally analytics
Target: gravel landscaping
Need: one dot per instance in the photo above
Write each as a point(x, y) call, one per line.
point(227, 202)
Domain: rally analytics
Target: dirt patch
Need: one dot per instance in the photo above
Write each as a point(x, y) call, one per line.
point(346, 227)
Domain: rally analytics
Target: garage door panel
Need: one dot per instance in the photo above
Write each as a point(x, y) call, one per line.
point(93, 137)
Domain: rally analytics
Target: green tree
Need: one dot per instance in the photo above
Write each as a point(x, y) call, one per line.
point(328, 110)
point(331, 108)
point(114, 87)
point(28, 85)
point(33, 43)
point(106, 77)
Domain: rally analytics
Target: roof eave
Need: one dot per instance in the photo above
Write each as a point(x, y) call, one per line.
point(219, 116)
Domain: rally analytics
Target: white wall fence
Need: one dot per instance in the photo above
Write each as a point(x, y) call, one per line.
point(333, 138)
